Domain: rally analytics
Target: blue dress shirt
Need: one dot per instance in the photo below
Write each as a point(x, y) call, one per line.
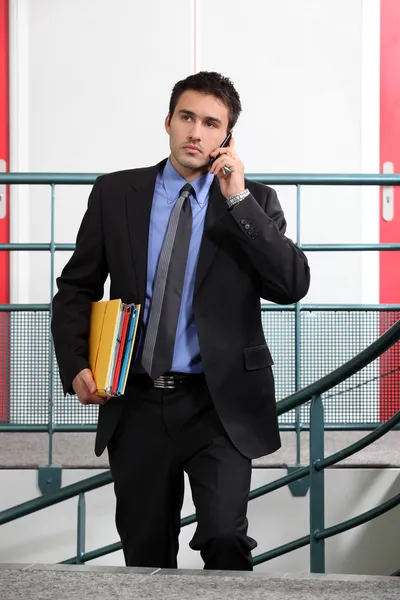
point(186, 357)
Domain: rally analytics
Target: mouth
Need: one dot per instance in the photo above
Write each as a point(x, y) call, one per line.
point(190, 149)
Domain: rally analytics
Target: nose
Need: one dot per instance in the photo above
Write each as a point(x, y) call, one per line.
point(195, 132)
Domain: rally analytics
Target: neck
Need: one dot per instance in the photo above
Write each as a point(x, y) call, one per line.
point(188, 174)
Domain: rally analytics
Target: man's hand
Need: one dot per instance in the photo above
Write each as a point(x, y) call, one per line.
point(233, 183)
point(85, 388)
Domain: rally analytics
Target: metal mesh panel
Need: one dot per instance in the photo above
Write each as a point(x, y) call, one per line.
point(68, 411)
point(328, 339)
point(279, 330)
point(24, 338)
point(29, 368)
point(389, 372)
point(4, 367)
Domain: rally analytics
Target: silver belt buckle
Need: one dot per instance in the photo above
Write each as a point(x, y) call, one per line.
point(165, 382)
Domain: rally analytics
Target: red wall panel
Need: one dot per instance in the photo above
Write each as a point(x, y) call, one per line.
point(4, 222)
point(390, 230)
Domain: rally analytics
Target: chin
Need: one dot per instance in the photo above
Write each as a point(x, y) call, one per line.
point(187, 164)
point(191, 163)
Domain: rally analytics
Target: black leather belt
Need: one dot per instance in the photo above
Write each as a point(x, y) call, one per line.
point(171, 381)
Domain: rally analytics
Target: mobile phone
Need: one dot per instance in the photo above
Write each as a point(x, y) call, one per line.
point(223, 145)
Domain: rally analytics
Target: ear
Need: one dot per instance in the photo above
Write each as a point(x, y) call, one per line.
point(167, 125)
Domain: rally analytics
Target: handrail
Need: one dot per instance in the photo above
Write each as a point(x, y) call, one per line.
point(269, 178)
point(324, 178)
point(329, 531)
point(65, 493)
point(367, 440)
point(61, 247)
point(329, 460)
point(49, 178)
point(366, 516)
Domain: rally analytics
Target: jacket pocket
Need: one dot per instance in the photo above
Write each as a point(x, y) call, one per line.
point(257, 357)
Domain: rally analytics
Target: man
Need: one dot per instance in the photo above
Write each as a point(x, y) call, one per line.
point(200, 395)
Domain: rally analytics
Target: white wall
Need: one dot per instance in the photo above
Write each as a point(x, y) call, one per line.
point(50, 536)
point(94, 79)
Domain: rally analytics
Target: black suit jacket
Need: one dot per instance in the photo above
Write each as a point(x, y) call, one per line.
point(244, 255)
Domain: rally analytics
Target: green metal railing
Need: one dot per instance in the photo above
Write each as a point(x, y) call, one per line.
point(315, 471)
point(310, 393)
point(53, 424)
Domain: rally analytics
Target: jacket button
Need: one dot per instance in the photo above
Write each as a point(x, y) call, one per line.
point(243, 221)
point(253, 237)
point(247, 226)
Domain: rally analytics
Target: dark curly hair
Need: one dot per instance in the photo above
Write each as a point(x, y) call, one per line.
point(209, 82)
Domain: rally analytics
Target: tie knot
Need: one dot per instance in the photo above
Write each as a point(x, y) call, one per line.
point(186, 191)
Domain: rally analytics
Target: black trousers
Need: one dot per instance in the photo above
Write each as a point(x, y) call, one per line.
point(162, 434)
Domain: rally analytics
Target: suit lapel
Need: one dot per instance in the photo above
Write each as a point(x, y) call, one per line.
point(139, 200)
point(212, 234)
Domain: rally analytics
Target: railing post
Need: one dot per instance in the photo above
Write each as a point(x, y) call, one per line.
point(81, 532)
point(51, 346)
point(49, 477)
point(298, 488)
point(317, 485)
point(297, 334)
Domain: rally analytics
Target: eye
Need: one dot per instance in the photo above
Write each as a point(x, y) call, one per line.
point(186, 117)
point(210, 124)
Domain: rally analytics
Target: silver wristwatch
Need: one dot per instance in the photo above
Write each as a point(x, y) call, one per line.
point(232, 200)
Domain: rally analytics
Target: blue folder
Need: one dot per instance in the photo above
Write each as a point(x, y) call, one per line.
point(128, 350)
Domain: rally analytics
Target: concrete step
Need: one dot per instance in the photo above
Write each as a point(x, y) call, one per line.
point(75, 450)
point(62, 582)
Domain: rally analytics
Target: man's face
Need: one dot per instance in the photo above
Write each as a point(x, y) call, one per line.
point(198, 126)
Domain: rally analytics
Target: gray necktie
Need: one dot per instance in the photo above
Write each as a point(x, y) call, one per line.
point(158, 348)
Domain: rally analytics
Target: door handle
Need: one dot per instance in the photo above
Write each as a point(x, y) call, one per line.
point(388, 195)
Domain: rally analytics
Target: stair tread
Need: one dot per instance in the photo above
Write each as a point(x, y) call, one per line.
point(76, 450)
point(61, 581)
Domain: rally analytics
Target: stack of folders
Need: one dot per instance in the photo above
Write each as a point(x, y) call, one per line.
point(113, 326)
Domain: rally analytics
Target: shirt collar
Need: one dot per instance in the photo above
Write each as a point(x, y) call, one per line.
point(173, 183)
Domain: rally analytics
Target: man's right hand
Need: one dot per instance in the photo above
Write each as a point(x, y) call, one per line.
point(85, 388)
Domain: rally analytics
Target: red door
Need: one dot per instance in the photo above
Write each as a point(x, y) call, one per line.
point(389, 284)
point(4, 217)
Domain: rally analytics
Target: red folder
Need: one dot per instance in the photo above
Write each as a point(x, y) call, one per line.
point(125, 320)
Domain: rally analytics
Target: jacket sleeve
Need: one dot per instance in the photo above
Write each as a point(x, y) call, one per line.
point(81, 282)
point(282, 267)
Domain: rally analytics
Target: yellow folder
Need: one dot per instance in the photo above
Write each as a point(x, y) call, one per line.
point(104, 340)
